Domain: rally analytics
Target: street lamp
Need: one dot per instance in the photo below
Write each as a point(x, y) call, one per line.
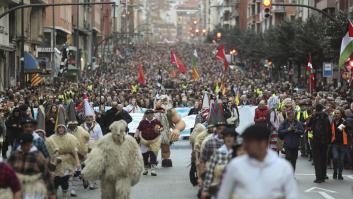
point(195, 22)
point(204, 30)
point(197, 30)
point(219, 35)
point(233, 52)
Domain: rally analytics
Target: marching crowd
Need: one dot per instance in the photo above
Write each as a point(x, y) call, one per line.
point(51, 135)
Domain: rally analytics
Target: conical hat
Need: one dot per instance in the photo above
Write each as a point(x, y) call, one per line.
point(205, 101)
point(71, 113)
point(60, 118)
point(87, 107)
point(41, 118)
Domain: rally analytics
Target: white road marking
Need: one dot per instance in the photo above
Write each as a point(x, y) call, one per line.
point(322, 192)
point(329, 174)
point(325, 195)
point(350, 176)
point(321, 189)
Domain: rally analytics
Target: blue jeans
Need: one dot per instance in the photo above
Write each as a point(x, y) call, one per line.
point(339, 152)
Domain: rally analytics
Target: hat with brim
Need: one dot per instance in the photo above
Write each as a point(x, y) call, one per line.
point(220, 123)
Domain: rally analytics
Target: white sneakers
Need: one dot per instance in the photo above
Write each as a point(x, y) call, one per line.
point(145, 172)
point(153, 170)
point(73, 193)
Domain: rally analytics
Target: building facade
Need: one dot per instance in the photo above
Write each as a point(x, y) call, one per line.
point(13, 39)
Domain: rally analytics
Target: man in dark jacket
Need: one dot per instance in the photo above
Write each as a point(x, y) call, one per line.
point(321, 127)
point(290, 130)
point(13, 130)
point(116, 113)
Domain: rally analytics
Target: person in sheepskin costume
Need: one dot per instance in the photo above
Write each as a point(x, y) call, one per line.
point(63, 147)
point(116, 161)
point(172, 126)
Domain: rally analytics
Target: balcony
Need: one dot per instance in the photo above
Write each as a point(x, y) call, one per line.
point(324, 4)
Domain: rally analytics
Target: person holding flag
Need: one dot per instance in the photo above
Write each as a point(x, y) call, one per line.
point(221, 55)
point(311, 73)
point(175, 60)
point(195, 73)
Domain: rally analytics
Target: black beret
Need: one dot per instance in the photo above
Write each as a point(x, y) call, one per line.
point(256, 132)
point(26, 138)
point(149, 111)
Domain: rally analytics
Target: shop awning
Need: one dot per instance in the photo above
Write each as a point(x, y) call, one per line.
point(31, 65)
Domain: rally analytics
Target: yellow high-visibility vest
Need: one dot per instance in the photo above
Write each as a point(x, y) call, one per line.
point(134, 88)
point(305, 115)
point(310, 135)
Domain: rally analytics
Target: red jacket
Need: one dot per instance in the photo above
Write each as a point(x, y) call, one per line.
point(261, 115)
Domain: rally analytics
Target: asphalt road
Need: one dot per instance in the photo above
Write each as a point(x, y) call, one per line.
point(174, 183)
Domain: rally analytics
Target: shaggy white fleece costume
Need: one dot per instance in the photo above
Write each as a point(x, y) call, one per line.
point(116, 161)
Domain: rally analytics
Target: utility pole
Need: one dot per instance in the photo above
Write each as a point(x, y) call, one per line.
point(53, 42)
point(22, 59)
point(78, 65)
point(126, 16)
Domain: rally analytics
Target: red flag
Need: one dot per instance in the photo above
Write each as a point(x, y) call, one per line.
point(221, 55)
point(175, 60)
point(311, 73)
point(140, 75)
point(350, 29)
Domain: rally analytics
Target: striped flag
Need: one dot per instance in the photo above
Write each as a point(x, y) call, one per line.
point(237, 99)
point(195, 73)
point(223, 88)
point(346, 46)
point(216, 89)
point(36, 79)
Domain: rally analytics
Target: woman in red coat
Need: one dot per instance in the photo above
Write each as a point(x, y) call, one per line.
point(261, 114)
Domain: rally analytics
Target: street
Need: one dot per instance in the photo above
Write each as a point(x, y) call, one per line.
point(174, 183)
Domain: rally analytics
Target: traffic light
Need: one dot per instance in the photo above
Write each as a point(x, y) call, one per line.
point(267, 7)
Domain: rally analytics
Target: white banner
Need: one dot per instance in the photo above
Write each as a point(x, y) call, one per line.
point(247, 114)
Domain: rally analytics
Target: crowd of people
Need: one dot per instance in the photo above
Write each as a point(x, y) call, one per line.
point(50, 137)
